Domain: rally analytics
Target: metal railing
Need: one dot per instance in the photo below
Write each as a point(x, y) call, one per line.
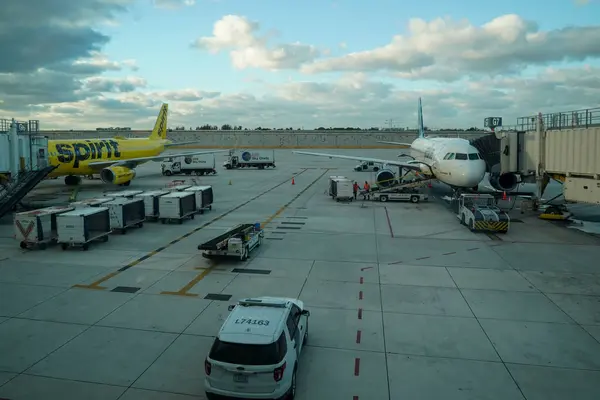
point(562, 120)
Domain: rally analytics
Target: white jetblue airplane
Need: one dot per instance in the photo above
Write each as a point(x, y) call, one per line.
point(452, 161)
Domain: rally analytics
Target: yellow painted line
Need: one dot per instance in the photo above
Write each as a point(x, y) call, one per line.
point(96, 284)
point(184, 290)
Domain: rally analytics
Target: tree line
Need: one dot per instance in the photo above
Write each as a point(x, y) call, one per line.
point(228, 127)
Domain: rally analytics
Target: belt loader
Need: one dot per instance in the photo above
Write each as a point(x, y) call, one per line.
point(480, 213)
point(236, 242)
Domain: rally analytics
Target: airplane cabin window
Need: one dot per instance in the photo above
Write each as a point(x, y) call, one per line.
point(473, 156)
point(461, 156)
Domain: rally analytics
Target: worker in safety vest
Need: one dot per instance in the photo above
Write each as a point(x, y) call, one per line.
point(367, 187)
point(355, 189)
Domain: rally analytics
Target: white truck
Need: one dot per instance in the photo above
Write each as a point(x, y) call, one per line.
point(201, 164)
point(368, 166)
point(260, 159)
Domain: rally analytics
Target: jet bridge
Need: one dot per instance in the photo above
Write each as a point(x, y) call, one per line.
point(563, 146)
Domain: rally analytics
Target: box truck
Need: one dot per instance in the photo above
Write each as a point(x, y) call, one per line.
point(260, 159)
point(201, 164)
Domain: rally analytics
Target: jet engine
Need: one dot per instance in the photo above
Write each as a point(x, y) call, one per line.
point(117, 175)
point(385, 178)
point(505, 182)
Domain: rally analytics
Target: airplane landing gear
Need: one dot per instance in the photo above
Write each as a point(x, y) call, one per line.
point(72, 180)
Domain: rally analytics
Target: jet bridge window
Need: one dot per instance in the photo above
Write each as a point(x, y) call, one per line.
point(474, 156)
point(449, 156)
point(461, 156)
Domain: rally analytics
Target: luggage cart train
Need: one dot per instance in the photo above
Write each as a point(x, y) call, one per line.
point(86, 221)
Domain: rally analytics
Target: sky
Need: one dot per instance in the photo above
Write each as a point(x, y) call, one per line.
point(106, 63)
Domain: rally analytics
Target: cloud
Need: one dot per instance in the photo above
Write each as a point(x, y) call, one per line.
point(447, 50)
point(51, 48)
point(239, 36)
point(174, 4)
point(352, 100)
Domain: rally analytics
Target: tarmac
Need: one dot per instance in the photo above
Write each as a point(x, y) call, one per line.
point(405, 302)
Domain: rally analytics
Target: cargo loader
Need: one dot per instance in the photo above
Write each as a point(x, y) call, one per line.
point(236, 242)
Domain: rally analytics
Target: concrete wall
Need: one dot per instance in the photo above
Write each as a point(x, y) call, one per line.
point(272, 139)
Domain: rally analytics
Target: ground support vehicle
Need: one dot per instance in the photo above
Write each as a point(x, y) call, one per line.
point(257, 350)
point(340, 188)
point(37, 228)
point(200, 164)
point(399, 195)
point(236, 242)
point(80, 227)
point(260, 159)
point(176, 206)
point(480, 213)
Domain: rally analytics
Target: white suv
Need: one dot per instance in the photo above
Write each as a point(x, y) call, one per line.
point(256, 352)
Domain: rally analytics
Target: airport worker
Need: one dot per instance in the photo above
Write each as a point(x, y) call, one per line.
point(367, 187)
point(355, 189)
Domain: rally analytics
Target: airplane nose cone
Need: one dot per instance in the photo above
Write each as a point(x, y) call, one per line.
point(472, 174)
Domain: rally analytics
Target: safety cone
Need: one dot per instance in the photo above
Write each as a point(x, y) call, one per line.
point(230, 181)
point(293, 181)
point(503, 195)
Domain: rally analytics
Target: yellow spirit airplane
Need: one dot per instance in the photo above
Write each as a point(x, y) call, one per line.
point(114, 159)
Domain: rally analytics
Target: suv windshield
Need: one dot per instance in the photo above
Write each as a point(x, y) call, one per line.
point(248, 354)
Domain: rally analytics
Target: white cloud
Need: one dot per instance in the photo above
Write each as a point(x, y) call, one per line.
point(239, 36)
point(174, 4)
point(67, 88)
point(447, 50)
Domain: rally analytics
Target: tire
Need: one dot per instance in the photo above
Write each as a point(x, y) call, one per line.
point(23, 245)
point(292, 392)
point(383, 199)
point(168, 173)
point(64, 246)
point(414, 199)
point(85, 247)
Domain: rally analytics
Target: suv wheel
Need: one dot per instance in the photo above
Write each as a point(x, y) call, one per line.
point(292, 393)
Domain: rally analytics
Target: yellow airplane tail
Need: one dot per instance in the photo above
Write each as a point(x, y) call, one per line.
point(160, 127)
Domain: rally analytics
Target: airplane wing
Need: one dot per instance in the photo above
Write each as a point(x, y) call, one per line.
point(397, 143)
point(134, 162)
point(413, 167)
point(175, 144)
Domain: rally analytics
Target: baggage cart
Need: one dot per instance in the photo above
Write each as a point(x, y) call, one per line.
point(94, 202)
point(151, 203)
point(37, 228)
point(176, 206)
point(126, 213)
point(80, 227)
point(124, 193)
point(204, 197)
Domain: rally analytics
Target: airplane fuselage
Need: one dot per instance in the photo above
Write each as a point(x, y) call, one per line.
point(453, 161)
point(73, 156)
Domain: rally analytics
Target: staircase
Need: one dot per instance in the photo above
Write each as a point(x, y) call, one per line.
point(489, 148)
point(12, 193)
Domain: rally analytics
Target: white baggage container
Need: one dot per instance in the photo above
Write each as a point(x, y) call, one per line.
point(124, 193)
point(126, 213)
point(177, 206)
point(151, 203)
point(180, 188)
point(96, 202)
point(204, 197)
point(37, 227)
point(341, 189)
point(82, 226)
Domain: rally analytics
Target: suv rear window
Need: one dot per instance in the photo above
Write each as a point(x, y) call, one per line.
point(249, 354)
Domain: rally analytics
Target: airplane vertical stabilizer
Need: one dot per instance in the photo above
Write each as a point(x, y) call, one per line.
point(420, 122)
point(160, 127)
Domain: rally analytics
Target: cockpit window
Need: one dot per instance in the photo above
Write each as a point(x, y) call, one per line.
point(474, 156)
point(449, 156)
point(461, 156)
